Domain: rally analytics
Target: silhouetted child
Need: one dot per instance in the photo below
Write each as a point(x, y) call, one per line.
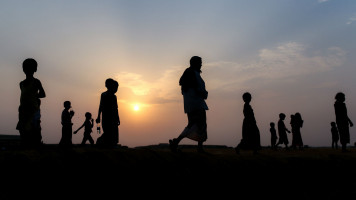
point(273, 132)
point(88, 126)
point(342, 120)
point(250, 132)
point(110, 115)
point(66, 140)
point(334, 135)
point(29, 110)
point(282, 131)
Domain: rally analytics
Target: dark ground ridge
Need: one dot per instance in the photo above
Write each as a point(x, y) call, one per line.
point(85, 172)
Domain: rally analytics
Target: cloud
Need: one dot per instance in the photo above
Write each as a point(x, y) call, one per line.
point(160, 91)
point(288, 61)
point(285, 61)
point(322, 1)
point(351, 19)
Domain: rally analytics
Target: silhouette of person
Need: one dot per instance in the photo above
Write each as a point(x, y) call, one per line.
point(250, 132)
point(109, 112)
point(29, 124)
point(342, 120)
point(296, 124)
point(282, 131)
point(66, 117)
point(273, 132)
point(88, 126)
point(194, 96)
point(334, 135)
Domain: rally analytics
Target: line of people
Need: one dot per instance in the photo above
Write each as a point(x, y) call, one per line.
point(29, 124)
point(194, 96)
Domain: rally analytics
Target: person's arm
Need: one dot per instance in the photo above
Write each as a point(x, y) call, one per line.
point(99, 111)
point(92, 123)
point(118, 120)
point(41, 92)
point(351, 124)
point(79, 128)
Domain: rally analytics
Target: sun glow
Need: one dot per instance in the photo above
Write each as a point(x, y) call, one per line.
point(136, 107)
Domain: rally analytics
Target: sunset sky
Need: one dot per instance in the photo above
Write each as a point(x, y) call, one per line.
point(291, 55)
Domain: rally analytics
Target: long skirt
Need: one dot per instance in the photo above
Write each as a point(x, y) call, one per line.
point(197, 128)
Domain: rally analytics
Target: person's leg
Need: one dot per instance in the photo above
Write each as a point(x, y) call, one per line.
point(173, 143)
point(343, 147)
point(84, 140)
point(201, 122)
point(91, 140)
point(200, 147)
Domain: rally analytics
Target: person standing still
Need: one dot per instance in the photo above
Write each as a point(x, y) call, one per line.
point(29, 124)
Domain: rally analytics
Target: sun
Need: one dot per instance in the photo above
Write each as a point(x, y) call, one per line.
point(136, 107)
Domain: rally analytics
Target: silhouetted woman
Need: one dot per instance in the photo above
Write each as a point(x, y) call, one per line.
point(297, 123)
point(109, 112)
point(250, 132)
point(194, 96)
point(342, 120)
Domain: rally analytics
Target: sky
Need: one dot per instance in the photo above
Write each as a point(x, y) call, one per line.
point(291, 55)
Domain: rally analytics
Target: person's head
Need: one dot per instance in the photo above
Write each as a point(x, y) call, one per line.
point(67, 104)
point(340, 97)
point(298, 116)
point(196, 62)
point(29, 66)
point(333, 124)
point(111, 85)
point(271, 124)
point(247, 97)
point(282, 116)
point(88, 115)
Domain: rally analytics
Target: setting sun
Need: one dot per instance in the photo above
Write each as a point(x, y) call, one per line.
point(136, 107)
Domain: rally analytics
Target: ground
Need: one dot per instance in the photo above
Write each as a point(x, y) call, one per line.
point(155, 172)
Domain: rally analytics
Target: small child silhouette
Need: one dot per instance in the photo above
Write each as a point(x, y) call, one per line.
point(250, 132)
point(334, 135)
point(273, 132)
point(66, 140)
point(283, 139)
point(29, 109)
point(88, 126)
